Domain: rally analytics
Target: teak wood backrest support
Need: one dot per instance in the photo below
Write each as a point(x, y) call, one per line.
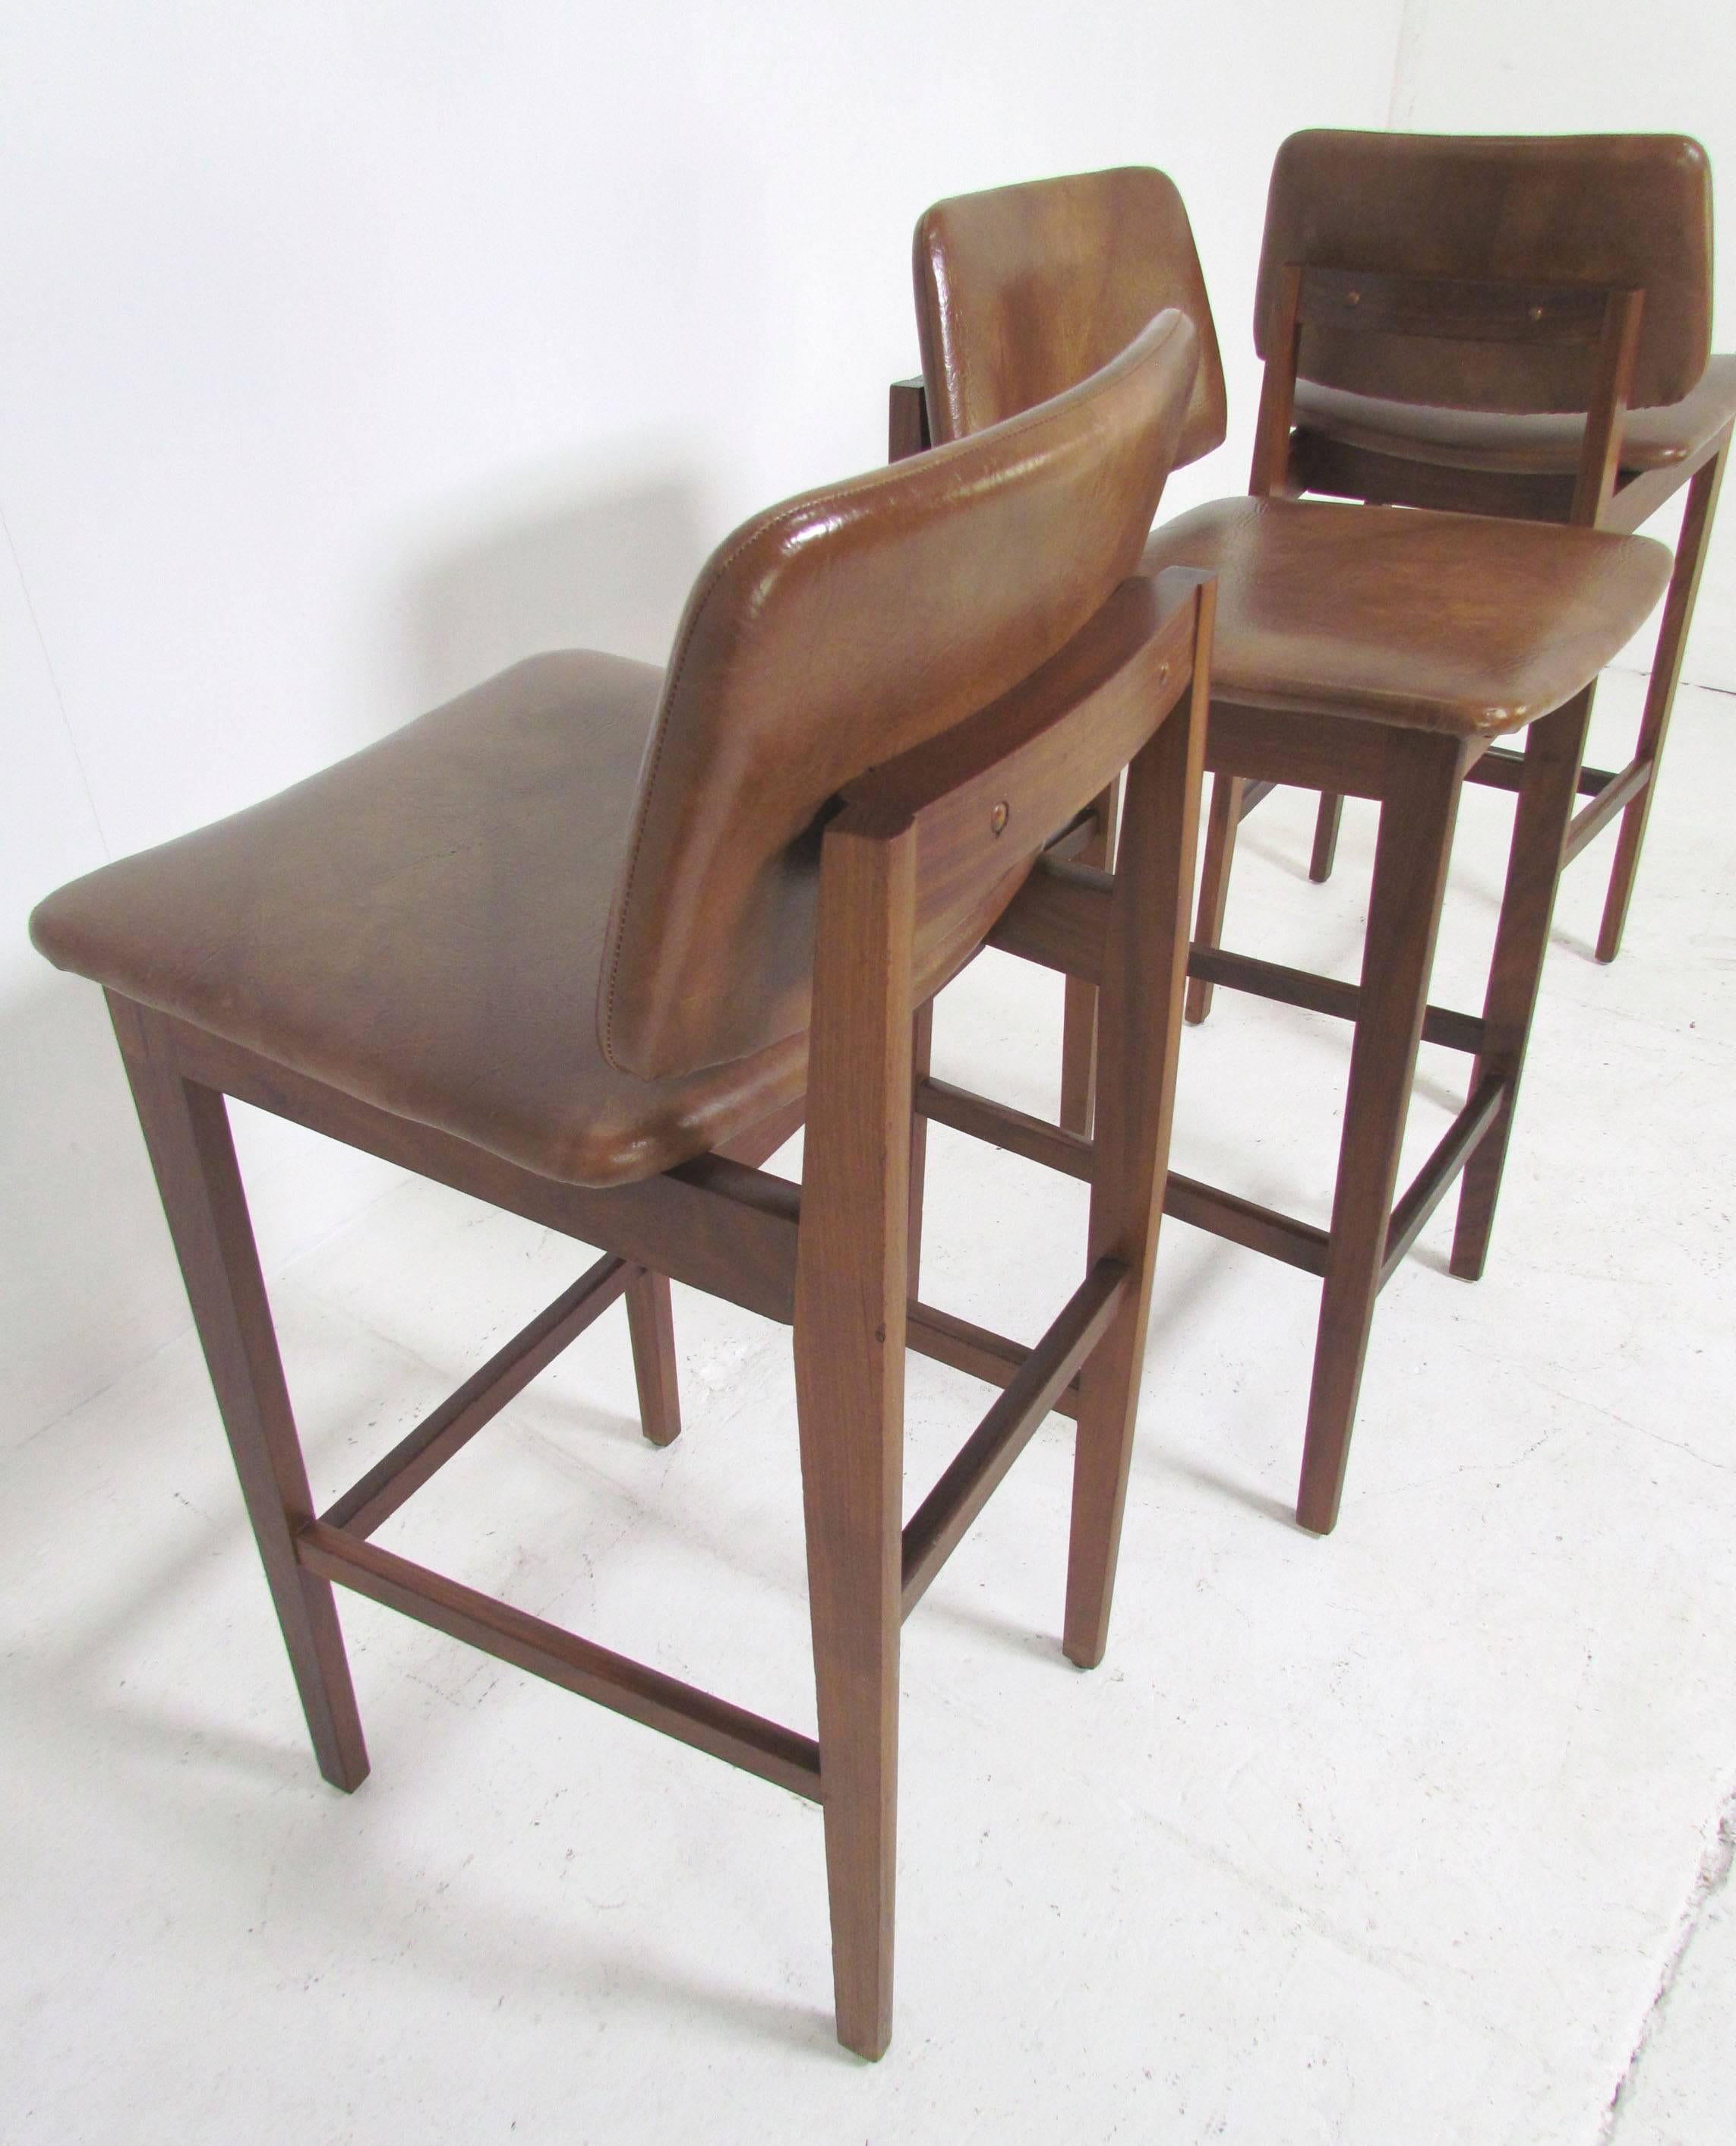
point(838, 630)
point(1601, 326)
point(1003, 778)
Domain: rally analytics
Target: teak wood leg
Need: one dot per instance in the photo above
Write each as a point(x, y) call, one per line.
point(851, 1293)
point(1419, 803)
point(1325, 836)
point(650, 1320)
point(1079, 1031)
point(1138, 1023)
point(1221, 824)
point(1678, 603)
point(1554, 748)
point(922, 1058)
point(187, 1133)
point(650, 1316)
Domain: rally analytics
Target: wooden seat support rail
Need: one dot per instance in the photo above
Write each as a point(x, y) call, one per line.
point(1609, 789)
point(336, 1546)
point(1318, 994)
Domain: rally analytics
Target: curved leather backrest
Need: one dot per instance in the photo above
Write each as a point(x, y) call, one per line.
point(1629, 210)
point(1023, 290)
point(832, 633)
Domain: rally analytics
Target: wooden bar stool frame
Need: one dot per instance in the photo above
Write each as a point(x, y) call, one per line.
point(827, 1258)
point(1415, 776)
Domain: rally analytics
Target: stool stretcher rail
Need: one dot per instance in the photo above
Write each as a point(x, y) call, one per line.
point(1327, 995)
point(371, 1501)
point(975, 1351)
point(940, 1522)
point(643, 1694)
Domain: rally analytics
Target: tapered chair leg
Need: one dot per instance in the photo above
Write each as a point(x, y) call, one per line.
point(1079, 1031)
point(1554, 748)
point(1325, 836)
point(1419, 806)
point(922, 1058)
point(1684, 582)
point(187, 1133)
point(1221, 824)
point(650, 1321)
point(1145, 979)
point(851, 1293)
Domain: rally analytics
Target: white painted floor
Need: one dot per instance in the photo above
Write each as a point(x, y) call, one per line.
point(1421, 1833)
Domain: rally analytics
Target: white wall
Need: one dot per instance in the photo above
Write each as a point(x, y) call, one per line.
point(1512, 66)
point(353, 349)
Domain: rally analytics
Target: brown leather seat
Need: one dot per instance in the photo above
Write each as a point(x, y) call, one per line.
point(1441, 622)
point(1529, 444)
point(423, 927)
point(569, 918)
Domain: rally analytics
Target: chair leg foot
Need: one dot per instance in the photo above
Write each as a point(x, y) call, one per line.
point(1554, 750)
point(1347, 1314)
point(1317, 1500)
point(650, 1321)
point(1684, 582)
point(187, 1133)
point(858, 1844)
point(1419, 801)
point(1609, 936)
point(1628, 841)
point(1103, 1449)
point(1326, 838)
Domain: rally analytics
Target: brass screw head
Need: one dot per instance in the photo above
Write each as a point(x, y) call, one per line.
point(998, 819)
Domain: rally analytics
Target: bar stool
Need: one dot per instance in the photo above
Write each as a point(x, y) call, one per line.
point(489, 949)
point(1634, 210)
point(1375, 650)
